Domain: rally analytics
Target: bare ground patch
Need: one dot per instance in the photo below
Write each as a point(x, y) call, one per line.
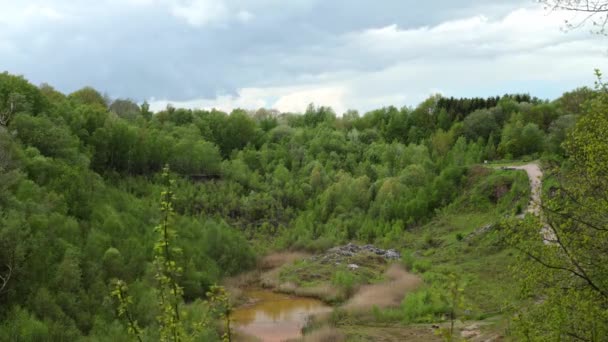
point(385, 294)
point(279, 259)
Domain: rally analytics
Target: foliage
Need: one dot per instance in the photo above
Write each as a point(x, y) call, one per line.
point(124, 301)
point(221, 306)
point(167, 270)
point(80, 176)
point(345, 280)
point(566, 278)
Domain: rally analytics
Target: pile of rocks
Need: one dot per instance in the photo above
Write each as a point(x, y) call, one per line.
point(351, 249)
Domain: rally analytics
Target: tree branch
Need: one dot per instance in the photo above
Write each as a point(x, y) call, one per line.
point(5, 278)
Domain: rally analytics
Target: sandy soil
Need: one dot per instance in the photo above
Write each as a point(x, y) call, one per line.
point(535, 175)
point(278, 259)
point(385, 294)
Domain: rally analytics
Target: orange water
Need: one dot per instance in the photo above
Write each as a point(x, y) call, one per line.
point(275, 317)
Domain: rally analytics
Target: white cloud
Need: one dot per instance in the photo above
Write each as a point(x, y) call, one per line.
point(520, 30)
point(525, 51)
point(18, 15)
point(244, 16)
point(296, 101)
point(42, 11)
point(200, 12)
point(285, 99)
point(250, 98)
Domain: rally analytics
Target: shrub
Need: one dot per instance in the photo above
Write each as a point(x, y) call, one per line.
point(345, 280)
point(407, 260)
point(424, 306)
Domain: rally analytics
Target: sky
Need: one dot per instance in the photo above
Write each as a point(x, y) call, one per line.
point(355, 54)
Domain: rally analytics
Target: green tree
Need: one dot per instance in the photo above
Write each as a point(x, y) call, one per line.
point(479, 124)
point(570, 271)
point(88, 95)
point(18, 95)
point(125, 108)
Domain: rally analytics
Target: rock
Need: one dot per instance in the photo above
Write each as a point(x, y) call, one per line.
point(470, 331)
point(338, 254)
point(353, 267)
point(392, 254)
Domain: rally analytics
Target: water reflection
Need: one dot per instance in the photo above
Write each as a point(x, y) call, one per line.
point(275, 317)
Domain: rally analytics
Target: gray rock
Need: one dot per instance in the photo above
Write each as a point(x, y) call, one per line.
point(352, 249)
point(392, 254)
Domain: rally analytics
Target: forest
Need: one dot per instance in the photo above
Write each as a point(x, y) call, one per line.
point(85, 179)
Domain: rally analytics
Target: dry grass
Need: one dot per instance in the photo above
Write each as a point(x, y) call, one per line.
point(266, 274)
point(324, 292)
point(385, 294)
point(235, 285)
point(270, 279)
point(279, 259)
point(243, 279)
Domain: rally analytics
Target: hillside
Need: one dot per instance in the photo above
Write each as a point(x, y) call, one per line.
point(81, 179)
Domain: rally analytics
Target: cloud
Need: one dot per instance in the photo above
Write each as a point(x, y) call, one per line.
point(16, 16)
point(244, 16)
point(200, 12)
point(285, 99)
point(274, 53)
point(34, 11)
point(523, 51)
point(245, 98)
point(296, 101)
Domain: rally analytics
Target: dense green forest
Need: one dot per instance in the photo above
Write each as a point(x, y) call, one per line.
point(81, 183)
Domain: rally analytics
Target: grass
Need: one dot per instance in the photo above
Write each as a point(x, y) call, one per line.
point(453, 243)
point(414, 333)
point(330, 279)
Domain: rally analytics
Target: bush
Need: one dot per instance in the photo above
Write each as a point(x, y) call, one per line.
point(23, 326)
point(421, 266)
point(345, 281)
point(423, 306)
point(227, 247)
point(389, 315)
point(407, 260)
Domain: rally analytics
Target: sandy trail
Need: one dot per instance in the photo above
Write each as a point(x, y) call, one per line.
point(535, 175)
point(385, 294)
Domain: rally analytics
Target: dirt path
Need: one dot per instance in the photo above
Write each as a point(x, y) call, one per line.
point(535, 175)
point(387, 293)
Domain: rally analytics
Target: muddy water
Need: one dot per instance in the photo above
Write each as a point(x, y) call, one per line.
point(274, 317)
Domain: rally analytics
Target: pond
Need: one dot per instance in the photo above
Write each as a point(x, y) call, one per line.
point(273, 316)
